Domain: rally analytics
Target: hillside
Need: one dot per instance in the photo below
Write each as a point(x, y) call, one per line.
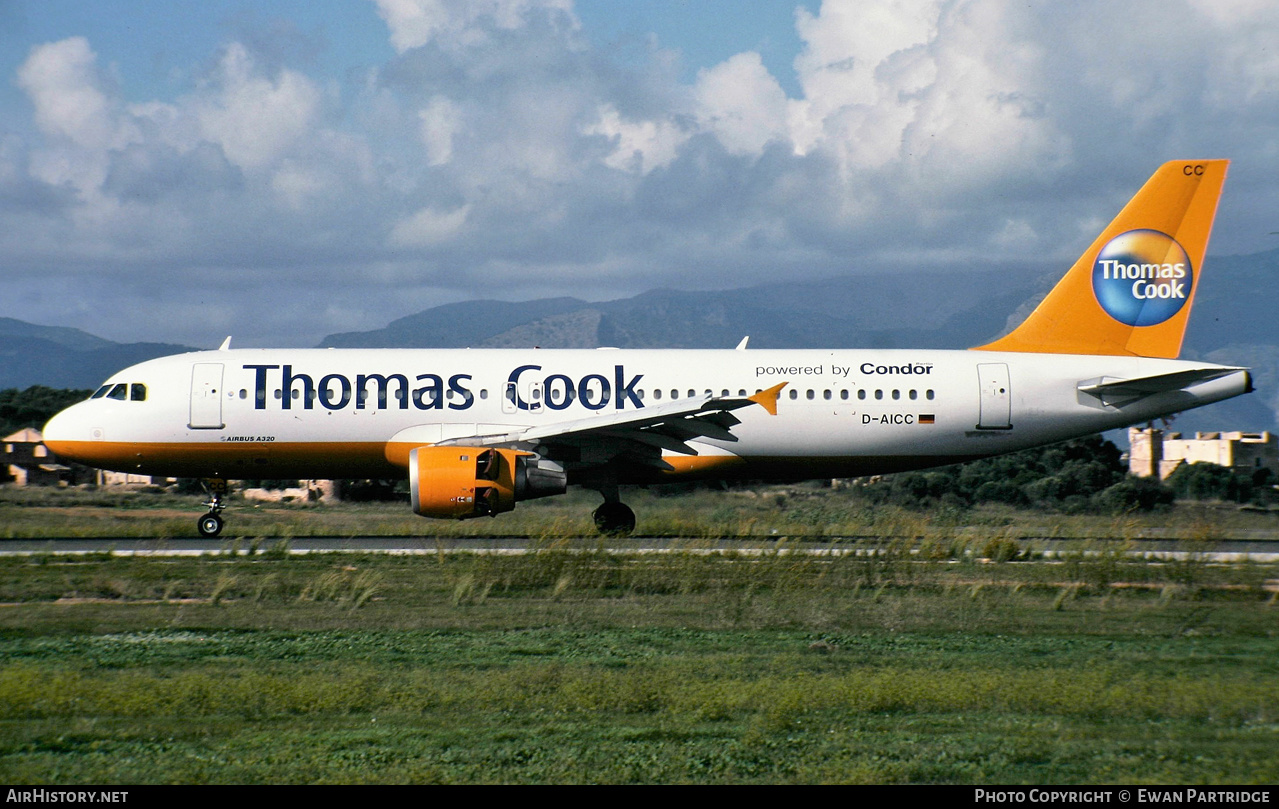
point(59, 357)
point(954, 309)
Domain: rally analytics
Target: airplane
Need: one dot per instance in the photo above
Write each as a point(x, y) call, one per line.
point(476, 431)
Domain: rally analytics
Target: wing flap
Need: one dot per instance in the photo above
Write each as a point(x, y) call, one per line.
point(636, 436)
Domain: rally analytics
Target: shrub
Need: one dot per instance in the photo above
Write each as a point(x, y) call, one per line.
point(1134, 494)
point(1206, 481)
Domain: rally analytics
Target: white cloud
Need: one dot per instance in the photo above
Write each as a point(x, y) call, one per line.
point(441, 122)
point(429, 227)
point(62, 81)
point(253, 118)
point(741, 102)
point(414, 23)
point(73, 108)
point(640, 146)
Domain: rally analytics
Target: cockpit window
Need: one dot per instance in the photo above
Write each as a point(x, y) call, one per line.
point(100, 392)
point(120, 391)
point(138, 392)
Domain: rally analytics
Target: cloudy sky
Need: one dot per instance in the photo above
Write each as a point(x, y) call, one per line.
point(278, 171)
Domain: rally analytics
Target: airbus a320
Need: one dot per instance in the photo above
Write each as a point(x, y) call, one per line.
point(477, 431)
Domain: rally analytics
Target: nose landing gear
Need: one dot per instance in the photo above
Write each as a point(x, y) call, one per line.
point(210, 525)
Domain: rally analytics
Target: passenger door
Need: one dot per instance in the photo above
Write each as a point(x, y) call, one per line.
point(206, 396)
point(996, 397)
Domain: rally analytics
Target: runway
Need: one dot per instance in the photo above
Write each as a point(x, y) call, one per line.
point(1261, 551)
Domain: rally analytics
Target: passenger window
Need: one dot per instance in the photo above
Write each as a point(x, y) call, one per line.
point(843, 394)
point(861, 393)
point(809, 394)
point(826, 394)
point(914, 395)
point(657, 395)
point(794, 394)
point(929, 395)
point(897, 395)
point(879, 394)
point(120, 392)
point(741, 392)
point(674, 394)
point(691, 393)
point(138, 392)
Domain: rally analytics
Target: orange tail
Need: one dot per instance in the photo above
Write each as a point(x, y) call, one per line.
point(1130, 293)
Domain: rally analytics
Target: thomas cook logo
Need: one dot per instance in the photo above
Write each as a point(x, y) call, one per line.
point(1142, 277)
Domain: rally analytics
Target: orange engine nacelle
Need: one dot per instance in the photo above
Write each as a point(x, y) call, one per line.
point(461, 482)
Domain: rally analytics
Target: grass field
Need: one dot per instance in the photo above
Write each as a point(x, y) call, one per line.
point(802, 510)
point(572, 664)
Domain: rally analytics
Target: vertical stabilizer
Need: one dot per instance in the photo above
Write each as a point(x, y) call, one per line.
point(1130, 293)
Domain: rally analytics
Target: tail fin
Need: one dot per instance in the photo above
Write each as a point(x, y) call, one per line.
point(1130, 293)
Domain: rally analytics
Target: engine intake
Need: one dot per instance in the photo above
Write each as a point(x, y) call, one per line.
point(463, 482)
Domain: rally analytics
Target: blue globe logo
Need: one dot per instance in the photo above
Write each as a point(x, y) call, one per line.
point(1142, 277)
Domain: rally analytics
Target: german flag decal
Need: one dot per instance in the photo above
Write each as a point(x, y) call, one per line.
point(927, 418)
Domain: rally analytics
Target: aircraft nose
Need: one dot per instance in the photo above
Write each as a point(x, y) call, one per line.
point(65, 433)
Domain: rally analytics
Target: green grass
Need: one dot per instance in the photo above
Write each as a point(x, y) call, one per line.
point(803, 510)
point(571, 664)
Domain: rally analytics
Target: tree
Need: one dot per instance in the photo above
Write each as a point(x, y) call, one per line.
point(1207, 481)
point(1078, 475)
point(34, 406)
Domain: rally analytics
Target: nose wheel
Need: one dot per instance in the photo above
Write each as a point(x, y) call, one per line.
point(210, 525)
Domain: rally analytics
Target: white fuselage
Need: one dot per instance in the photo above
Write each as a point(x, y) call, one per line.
point(231, 414)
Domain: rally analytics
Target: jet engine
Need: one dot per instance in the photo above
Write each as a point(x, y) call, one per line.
point(463, 482)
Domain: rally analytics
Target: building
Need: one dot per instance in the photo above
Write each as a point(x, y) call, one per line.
point(28, 461)
point(1154, 452)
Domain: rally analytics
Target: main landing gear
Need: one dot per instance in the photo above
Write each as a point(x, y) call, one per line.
point(613, 517)
point(210, 525)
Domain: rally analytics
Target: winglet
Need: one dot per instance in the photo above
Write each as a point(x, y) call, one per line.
point(767, 399)
point(226, 344)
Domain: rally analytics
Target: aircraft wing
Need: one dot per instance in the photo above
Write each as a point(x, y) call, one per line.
point(638, 435)
point(1119, 392)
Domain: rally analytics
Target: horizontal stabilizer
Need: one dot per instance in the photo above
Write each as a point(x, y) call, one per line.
point(1119, 392)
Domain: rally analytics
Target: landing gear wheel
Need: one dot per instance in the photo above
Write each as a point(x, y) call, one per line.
point(614, 519)
point(210, 525)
